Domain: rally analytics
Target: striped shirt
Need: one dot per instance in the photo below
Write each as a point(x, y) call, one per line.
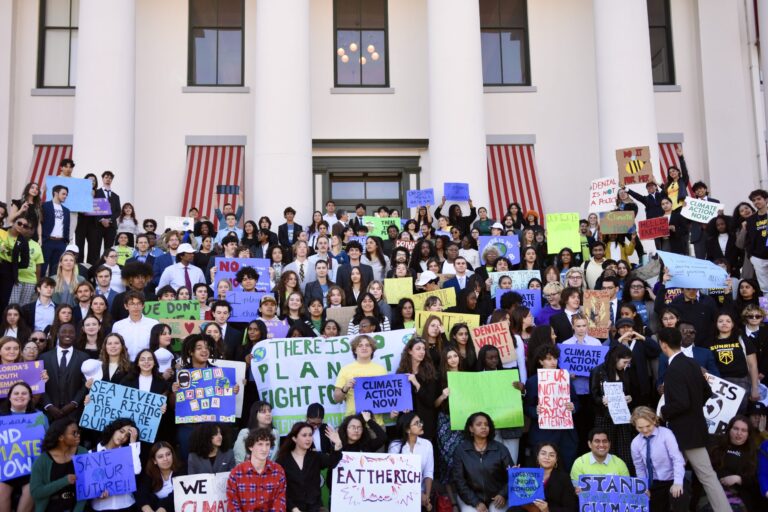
point(251, 491)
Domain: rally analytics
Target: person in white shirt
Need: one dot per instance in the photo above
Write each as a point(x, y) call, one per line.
point(137, 328)
point(330, 215)
point(301, 264)
point(231, 227)
point(411, 428)
point(183, 273)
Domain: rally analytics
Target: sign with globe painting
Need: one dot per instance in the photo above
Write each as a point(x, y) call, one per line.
point(507, 247)
point(525, 486)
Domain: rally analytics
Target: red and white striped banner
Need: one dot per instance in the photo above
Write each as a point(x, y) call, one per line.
point(207, 168)
point(668, 158)
point(45, 161)
point(512, 179)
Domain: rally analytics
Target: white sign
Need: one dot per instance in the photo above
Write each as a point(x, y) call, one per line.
point(198, 493)
point(239, 367)
point(602, 195)
point(700, 211)
point(723, 405)
point(520, 279)
point(617, 403)
point(377, 482)
point(179, 223)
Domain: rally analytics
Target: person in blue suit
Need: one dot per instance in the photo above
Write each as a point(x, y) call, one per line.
point(55, 229)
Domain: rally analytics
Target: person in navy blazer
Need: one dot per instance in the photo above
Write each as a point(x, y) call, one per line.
point(461, 266)
point(106, 227)
point(54, 243)
point(702, 355)
point(699, 234)
point(282, 230)
point(652, 201)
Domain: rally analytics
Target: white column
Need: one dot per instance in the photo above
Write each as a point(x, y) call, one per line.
point(625, 102)
point(762, 20)
point(456, 116)
point(282, 162)
point(105, 92)
point(6, 77)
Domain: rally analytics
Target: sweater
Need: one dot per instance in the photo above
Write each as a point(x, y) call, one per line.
point(42, 488)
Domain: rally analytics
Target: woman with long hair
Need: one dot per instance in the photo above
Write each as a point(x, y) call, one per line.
point(404, 315)
point(748, 292)
point(10, 350)
point(447, 439)
point(416, 363)
point(515, 213)
point(413, 440)
point(374, 257)
point(461, 339)
point(210, 449)
point(100, 310)
point(154, 491)
point(734, 459)
point(160, 343)
point(52, 481)
point(67, 279)
point(735, 358)
point(119, 433)
point(250, 236)
point(13, 324)
point(127, 223)
point(62, 315)
point(289, 283)
point(116, 364)
point(358, 433)
point(638, 293)
point(30, 207)
point(91, 338)
point(376, 288)
point(214, 332)
point(559, 494)
point(434, 334)
point(367, 306)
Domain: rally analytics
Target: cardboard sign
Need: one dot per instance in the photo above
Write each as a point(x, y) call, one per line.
point(611, 492)
point(180, 329)
point(617, 402)
point(101, 208)
point(507, 247)
point(602, 194)
point(206, 396)
point(239, 367)
point(525, 485)
point(377, 482)
point(172, 309)
point(342, 316)
point(456, 191)
point(416, 198)
point(497, 335)
point(531, 299)
point(105, 470)
point(176, 223)
point(499, 399)
point(408, 244)
point(554, 393)
point(700, 211)
point(448, 319)
point(201, 492)
point(30, 372)
point(80, 192)
point(109, 402)
point(377, 226)
point(398, 288)
point(382, 395)
point(617, 223)
point(562, 231)
point(687, 272)
point(649, 229)
point(520, 279)
point(21, 437)
point(634, 165)
point(446, 295)
point(580, 360)
point(597, 310)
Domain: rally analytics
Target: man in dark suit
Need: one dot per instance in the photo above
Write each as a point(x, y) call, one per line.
point(106, 227)
point(288, 232)
point(685, 394)
point(652, 201)
point(357, 220)
point(232, 337)
point(698, 230)
point(318, 288)
point(65, 388)
point(354, 251)
point(459, 281)
point(55, 229)
point(701, 355)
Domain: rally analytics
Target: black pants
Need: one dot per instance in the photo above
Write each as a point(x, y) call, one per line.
point(106, 236)
point(662, 500)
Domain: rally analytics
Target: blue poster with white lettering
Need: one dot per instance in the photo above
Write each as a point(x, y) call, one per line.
point(525, 485)
point(80, 192)
point(579, 360)
point(507, 246)
point(382, 395)
point(105, 470)
point(21, 436)
point(245, 305)
point(227, 268)
point(531, 299)
point(206, 395)
point(687, 272)
point(456, 191)
point(416, 198)
point(611, 492)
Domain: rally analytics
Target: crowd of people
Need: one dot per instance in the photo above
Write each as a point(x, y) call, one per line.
point(73, 289)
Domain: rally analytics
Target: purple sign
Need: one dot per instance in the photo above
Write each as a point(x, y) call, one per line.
point(31, 373)
point(456, 191)
point(21, 436)
point(101, 208)
point(276, 328)
point(381, 395)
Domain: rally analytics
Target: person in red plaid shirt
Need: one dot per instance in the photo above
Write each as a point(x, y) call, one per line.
point(258, 484)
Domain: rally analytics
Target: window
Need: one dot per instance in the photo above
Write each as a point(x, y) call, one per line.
point(216, 42)
point(360, 31)
point(57, 60)
point(660, 27)
point(504, 41)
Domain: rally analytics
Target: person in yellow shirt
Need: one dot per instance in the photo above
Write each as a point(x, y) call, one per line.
point(363, 347)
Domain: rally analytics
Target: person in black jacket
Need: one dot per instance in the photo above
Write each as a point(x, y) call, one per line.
point(679, 234)
point(644, 350)
point(652, 201)
point(288, 232)
point(160, 469)
point(355, 437)
point(721, 234)
point(455, 219)
point(417, 364)
point(65, 388)
point(559, 494)
point(693, 307)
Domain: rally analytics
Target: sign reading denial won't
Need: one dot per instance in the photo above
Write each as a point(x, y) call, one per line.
point(382, 395)
point(497, 335)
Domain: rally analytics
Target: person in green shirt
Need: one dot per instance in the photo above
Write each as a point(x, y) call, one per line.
point(598, 461)
point(22, 291)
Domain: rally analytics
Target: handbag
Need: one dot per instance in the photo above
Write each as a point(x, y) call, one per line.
point(444, 503)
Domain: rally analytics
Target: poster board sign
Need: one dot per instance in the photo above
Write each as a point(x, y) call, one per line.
point(497, 335)
point(245, 305)
point(597, 310)
point(239, 367)
point(531, 299)
point(581, 359)
point(377, 482)
point(205, 396)
point(342, 315)
point(101, 208)
point(602, 194)
point(204, 491)
point(80, 196)
point(29, 372)
point(525, 485)
point(172, 309)
point(21, 438)
point(176, 223)
point(277, 328)
point(105, 470)
point(612, 492)
point(687, 272)
point(416, 198)
point(520, 279)
point(382, 395)
point(499, 399)
point(617, 223)
point(292, 379)
point(701, 211)
point(448, 319)
point(109, 402)
point(456, 191)
point(617, 403)
point(408, 244)
point(723, 405)
point(180, 329)
point(649, 229)
point(396, 288)
point(634, 165)
point(446, 295)
point(507, 247)
point(377, 226)
point(554, 393)
point(562, 231)
point(227, 269)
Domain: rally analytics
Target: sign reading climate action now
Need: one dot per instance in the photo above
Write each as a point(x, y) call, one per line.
point(381, 395)
point(579, 360)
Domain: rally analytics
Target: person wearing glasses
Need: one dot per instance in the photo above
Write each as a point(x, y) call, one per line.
point(14, 255)
point(52, 482)
point(757, 332)
point(137, 328)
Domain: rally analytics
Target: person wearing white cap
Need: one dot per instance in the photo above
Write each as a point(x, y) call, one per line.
point(183, 273)
point(497, 229)
point(427, 281)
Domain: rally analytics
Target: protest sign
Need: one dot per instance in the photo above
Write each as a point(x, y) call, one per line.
point(292, 373)
point(497, 335)
point(21, 436)
point(687, 272)
point(80, 196)
point(362, 240)
point(634, 165)
point(653, 228)
point(398, 288)
point(602, 194)
point(763, 302)
point(342, 315)
point(245, 305)
point(448, 319)
point(499, 399)
point(382, 395)
point(181, 328)
point(105, 470)
point(554, 393)
point(617, 223)
point(202, 492)
point(617, 402)
point(531, 298)
point(416, 198)
point(176, 223)
point(277, 328)
point(562, 231)
point(597, 310)
point(723, 405)
point(109, 402)
point(172, 309)
point(377, 482)
point(101, 208)
point(525, 485)
point(507, 247)
point(614, 493)
point(408, 244)
point(446, 295)
point(456, 191)
point(377, 226)
point(520, 279)
point(227, 269)
point(700, 211)
point(581, 359)
point(239, 367)
point(30, 372)
point(206, 395)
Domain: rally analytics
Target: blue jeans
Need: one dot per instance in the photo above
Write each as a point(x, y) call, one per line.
point(52, 251)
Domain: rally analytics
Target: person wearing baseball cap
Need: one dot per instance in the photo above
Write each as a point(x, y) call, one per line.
point(428, 281)
point(183, 272)
point(497, 229)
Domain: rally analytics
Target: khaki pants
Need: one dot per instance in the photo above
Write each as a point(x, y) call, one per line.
point(702, 466)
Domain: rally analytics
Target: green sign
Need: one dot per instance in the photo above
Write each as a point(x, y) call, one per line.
point(489, 392)
point(172, 310)
point(377, 226)
point(562, 231)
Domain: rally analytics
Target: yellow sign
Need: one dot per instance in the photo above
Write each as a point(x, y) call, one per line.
point(398, 288)
point(448, 319)
point(446, 295)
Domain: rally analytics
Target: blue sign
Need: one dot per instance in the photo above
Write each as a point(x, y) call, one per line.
point(206, 395)
point(245, 305)
point(456, 191)
point(416, 198)
point(687, 272)
point(508, 247)
point(531, 299)
point(382, 395)
point(525, 486)
point(227, 268)
point(579, 360)
point(105, 470)
point(110, 401)
point(276, 328)
point(101, 208)
point(362, 240)
point(611, 492)
point(20, 438)
point(80, 196)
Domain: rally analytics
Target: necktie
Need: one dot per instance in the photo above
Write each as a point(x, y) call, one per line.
point(63, 365)
point(301, 272)
point(648, 460)
point(187, 280)
point(612, 312)
point(107, 192)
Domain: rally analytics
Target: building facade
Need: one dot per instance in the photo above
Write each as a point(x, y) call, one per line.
point(299, 101)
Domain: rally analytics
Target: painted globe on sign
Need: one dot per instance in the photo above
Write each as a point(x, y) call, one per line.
point(526, 485)
point(259, 353)
point(502, 248)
